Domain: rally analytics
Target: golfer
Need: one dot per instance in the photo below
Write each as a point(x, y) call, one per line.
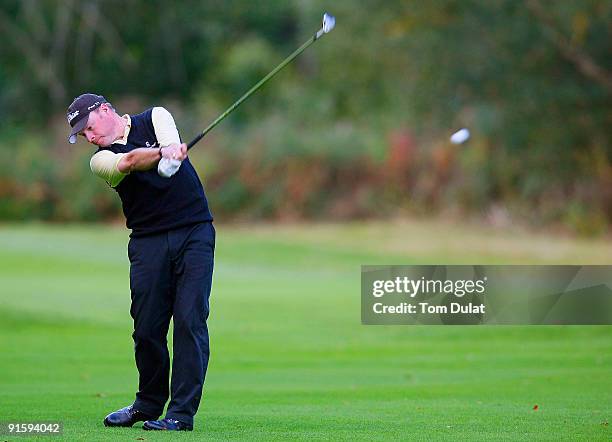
point(171, 252)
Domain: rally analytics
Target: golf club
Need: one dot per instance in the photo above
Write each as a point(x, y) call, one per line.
point(168, 167)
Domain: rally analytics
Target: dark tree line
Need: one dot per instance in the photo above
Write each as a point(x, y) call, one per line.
point(371, 106)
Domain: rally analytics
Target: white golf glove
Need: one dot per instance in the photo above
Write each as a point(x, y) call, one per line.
point(168, 167)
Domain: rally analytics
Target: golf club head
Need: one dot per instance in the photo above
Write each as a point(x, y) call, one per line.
point(329, 22)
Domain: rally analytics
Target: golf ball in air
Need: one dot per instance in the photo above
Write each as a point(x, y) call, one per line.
point(461, 136)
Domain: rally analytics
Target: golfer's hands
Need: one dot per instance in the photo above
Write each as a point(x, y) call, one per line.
point(172, 158)
point(175, 152)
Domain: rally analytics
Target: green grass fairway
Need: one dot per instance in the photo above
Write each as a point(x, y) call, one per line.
point(290, 358)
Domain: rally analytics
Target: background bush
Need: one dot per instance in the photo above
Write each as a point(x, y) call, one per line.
point(358, 126)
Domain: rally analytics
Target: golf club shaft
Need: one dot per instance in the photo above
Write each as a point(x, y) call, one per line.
point(250, 92)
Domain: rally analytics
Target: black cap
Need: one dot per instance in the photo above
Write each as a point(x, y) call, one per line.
point(78, 112)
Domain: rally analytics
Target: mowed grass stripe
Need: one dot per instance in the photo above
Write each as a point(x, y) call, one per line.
point(290, 359)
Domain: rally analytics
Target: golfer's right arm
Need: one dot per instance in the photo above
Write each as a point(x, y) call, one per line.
point(113, 167)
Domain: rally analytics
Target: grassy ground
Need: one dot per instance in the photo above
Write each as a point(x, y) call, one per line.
point(290, 358)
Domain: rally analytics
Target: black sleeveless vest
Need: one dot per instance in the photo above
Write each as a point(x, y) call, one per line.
point(154, 204)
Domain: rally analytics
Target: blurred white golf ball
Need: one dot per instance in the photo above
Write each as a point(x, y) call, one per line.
point(461, 136)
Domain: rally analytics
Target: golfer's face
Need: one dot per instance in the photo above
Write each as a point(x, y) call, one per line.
point(98, 130)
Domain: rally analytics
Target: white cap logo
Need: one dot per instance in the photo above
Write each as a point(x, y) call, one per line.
point(72, 115)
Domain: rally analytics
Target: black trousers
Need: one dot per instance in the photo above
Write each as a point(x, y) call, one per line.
point(171, 276)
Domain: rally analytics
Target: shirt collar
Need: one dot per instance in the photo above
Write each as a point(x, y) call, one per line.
point(126, 132)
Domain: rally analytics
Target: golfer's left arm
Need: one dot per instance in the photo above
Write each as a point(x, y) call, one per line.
point(169, 141)
point(164, 127)
point(167, 135)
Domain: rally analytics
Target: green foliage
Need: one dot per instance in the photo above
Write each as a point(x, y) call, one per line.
point(531, 80)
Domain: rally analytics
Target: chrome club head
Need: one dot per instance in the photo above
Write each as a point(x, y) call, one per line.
point(329, 22)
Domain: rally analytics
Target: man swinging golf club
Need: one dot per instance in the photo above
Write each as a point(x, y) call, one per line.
point(171, 253)
point(171, 248)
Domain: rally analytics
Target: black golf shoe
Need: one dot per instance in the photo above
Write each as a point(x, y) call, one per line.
point(126, 417)
point(167, 425)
